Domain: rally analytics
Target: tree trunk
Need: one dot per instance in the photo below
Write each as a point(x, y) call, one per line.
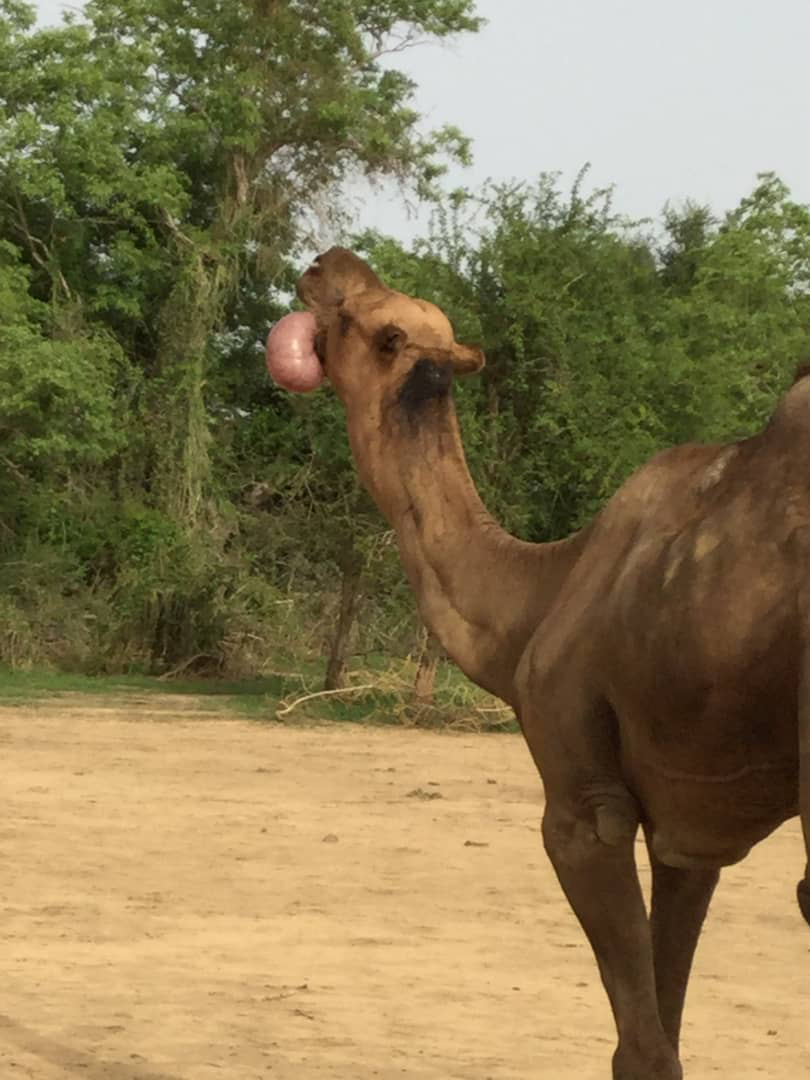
point(180, 424)
point(351, 568)
point(430, 651)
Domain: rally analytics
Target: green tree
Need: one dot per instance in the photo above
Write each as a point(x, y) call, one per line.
point(180, 148)
point(160, 167)
point(742, 321)
point(560, 293)
point(602, 344)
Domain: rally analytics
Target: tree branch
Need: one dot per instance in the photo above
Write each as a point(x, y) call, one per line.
point(322, 693)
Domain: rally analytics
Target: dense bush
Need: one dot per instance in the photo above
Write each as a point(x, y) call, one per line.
point(162, 170)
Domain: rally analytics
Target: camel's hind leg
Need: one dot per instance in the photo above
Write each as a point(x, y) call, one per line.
point(803, 889)
point(803, 892)
point(680, 900)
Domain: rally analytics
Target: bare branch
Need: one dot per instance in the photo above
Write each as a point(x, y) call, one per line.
point(174, 228)
point(322, 693)
point(34, 243)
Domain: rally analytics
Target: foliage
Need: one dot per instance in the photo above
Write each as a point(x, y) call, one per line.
point(602, 344)
point(164, 168)
point(160, 166)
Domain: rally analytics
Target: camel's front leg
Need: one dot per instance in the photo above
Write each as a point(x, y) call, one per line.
point(602, 886)
point(589, 830)
point(680, 900)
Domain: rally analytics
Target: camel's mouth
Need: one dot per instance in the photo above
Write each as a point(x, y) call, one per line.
point(309, 288)
point(312, 289)
point(319, 348)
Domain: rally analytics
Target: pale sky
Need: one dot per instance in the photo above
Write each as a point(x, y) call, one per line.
point(666, 100)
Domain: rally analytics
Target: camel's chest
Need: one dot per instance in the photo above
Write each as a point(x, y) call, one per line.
point(700, 661)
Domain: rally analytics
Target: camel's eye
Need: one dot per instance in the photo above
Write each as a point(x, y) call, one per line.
point(389, 340)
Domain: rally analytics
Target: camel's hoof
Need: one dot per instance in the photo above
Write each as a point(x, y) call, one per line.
point(803, 893)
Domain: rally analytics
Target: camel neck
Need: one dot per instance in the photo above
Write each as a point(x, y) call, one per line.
point(481, 591)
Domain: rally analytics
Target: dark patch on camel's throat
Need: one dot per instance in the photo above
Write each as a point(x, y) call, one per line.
point(427, 383)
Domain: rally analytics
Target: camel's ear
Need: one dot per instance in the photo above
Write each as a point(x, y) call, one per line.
point(467, 359)
point(332, 278)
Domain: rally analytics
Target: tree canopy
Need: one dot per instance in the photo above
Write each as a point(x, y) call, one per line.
point(164, 166)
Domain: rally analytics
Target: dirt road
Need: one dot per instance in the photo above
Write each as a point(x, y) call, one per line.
point(187, 896)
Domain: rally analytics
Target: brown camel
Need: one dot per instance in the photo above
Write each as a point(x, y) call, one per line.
point(658, 660)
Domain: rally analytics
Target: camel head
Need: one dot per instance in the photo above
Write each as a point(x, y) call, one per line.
point(375, 346)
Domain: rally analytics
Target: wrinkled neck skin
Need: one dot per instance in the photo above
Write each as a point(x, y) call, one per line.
point(482, 592)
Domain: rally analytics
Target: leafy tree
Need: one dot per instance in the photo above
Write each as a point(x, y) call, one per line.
point(603, 345)
point(58, 408)
point(744, 321)
point(160, 165)
point(205, 133)
point(164, 169)
point(558, 291)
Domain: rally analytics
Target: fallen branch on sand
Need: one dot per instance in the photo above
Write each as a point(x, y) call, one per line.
point(322, 693)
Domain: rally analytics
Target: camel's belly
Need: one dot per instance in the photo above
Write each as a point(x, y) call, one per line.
point(709, 742)
point(714, 819)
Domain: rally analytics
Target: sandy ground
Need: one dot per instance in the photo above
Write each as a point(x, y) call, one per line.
point(188, 896)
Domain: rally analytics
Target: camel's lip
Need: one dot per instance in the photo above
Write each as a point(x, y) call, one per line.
point(319, 346)
point(319, 341)
point(304, 284)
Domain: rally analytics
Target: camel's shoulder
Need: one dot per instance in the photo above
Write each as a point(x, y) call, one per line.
point(672, 481)
point(696, 477)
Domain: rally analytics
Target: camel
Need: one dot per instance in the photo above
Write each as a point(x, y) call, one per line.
point(658, 661)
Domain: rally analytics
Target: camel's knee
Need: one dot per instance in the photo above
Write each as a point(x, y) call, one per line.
point(617, 819)
point(603, 821)
point(803, 893)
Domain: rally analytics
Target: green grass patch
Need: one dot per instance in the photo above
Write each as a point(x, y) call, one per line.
point(388, 702)
point(21, 686)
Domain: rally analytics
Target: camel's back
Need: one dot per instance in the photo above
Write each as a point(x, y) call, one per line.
point(697, 560)
point(762, 482)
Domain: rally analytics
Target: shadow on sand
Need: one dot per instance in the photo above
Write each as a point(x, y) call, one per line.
point(75, 1061)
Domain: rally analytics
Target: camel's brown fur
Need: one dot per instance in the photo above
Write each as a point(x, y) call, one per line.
point(658, 660)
